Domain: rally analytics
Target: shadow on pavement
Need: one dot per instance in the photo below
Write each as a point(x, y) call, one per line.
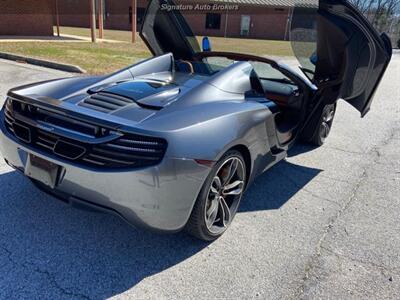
point(48, 248)
point(277, 186)
point(300, 149)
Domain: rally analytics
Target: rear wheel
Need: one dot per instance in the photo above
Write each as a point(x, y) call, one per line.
point(219, 198)
point(324, 125)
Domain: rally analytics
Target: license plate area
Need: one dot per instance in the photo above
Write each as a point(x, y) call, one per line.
point(43, 171)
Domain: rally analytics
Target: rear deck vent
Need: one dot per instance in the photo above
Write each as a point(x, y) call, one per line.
point(106, 102)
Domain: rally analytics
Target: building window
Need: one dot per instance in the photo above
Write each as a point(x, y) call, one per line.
point(213, 21)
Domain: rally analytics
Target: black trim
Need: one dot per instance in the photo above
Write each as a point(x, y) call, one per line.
point(104, 149)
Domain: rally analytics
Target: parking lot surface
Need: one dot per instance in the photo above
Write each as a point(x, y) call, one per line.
point(322, 224)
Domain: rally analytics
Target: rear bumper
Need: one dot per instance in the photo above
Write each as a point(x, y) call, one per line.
point(160, 198)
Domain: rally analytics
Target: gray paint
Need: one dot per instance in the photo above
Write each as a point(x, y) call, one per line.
point(205, 118)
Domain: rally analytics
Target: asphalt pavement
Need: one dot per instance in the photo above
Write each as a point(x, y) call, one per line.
point(324, 224)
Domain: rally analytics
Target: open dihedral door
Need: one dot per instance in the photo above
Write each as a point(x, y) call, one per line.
point(344, 50)
point(165, 30)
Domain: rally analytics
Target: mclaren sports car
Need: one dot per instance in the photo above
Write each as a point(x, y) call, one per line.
point(172, 142)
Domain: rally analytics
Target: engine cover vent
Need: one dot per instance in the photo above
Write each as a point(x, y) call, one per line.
point(106, 102)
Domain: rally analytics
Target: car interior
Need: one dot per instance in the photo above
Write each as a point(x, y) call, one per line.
point(268, 84)
point(287, 97)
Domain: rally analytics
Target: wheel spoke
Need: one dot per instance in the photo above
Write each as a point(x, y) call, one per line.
point(225, 212)
point(213, 207)
point(329, 116)
point(213, 190)
point(216, 185)
point(212, 213)
point(234, 188)
point(326, 130)
point(230, 172)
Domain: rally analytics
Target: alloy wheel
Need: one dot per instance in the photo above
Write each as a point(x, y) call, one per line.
point(224, 195)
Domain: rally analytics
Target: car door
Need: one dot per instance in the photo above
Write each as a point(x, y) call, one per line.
point(165, 30)
point(345, 53)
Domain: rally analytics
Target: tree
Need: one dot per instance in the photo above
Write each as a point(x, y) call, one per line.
point(383, 14)
point(375, 10)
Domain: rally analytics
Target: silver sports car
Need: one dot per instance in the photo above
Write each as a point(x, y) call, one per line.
point(172, 142)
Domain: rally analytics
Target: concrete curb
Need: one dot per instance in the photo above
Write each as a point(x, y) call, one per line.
point(43, 63)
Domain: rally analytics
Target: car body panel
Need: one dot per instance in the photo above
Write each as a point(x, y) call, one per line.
point(159, 198)
point(225, 116)
point(203, 121)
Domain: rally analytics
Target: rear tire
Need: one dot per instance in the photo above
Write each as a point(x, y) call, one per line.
point(219, 198)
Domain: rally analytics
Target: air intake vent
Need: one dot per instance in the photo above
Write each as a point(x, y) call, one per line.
point(106, 102)
point(8, 116)
point(131, 150)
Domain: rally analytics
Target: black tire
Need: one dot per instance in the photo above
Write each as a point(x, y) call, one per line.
point(324, 125)
point(197, 225)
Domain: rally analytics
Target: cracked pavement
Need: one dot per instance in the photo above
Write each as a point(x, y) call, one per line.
point(322, 224)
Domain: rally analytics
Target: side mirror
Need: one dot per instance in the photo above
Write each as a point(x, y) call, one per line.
point(206, 45)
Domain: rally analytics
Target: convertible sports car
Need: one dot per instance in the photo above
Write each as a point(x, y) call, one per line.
point(172, 142)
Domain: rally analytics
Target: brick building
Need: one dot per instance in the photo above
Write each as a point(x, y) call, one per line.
point(266, 19)
point(26, 17)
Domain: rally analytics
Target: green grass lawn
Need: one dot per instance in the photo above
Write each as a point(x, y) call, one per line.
point(118, 35)
point(102, 58)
